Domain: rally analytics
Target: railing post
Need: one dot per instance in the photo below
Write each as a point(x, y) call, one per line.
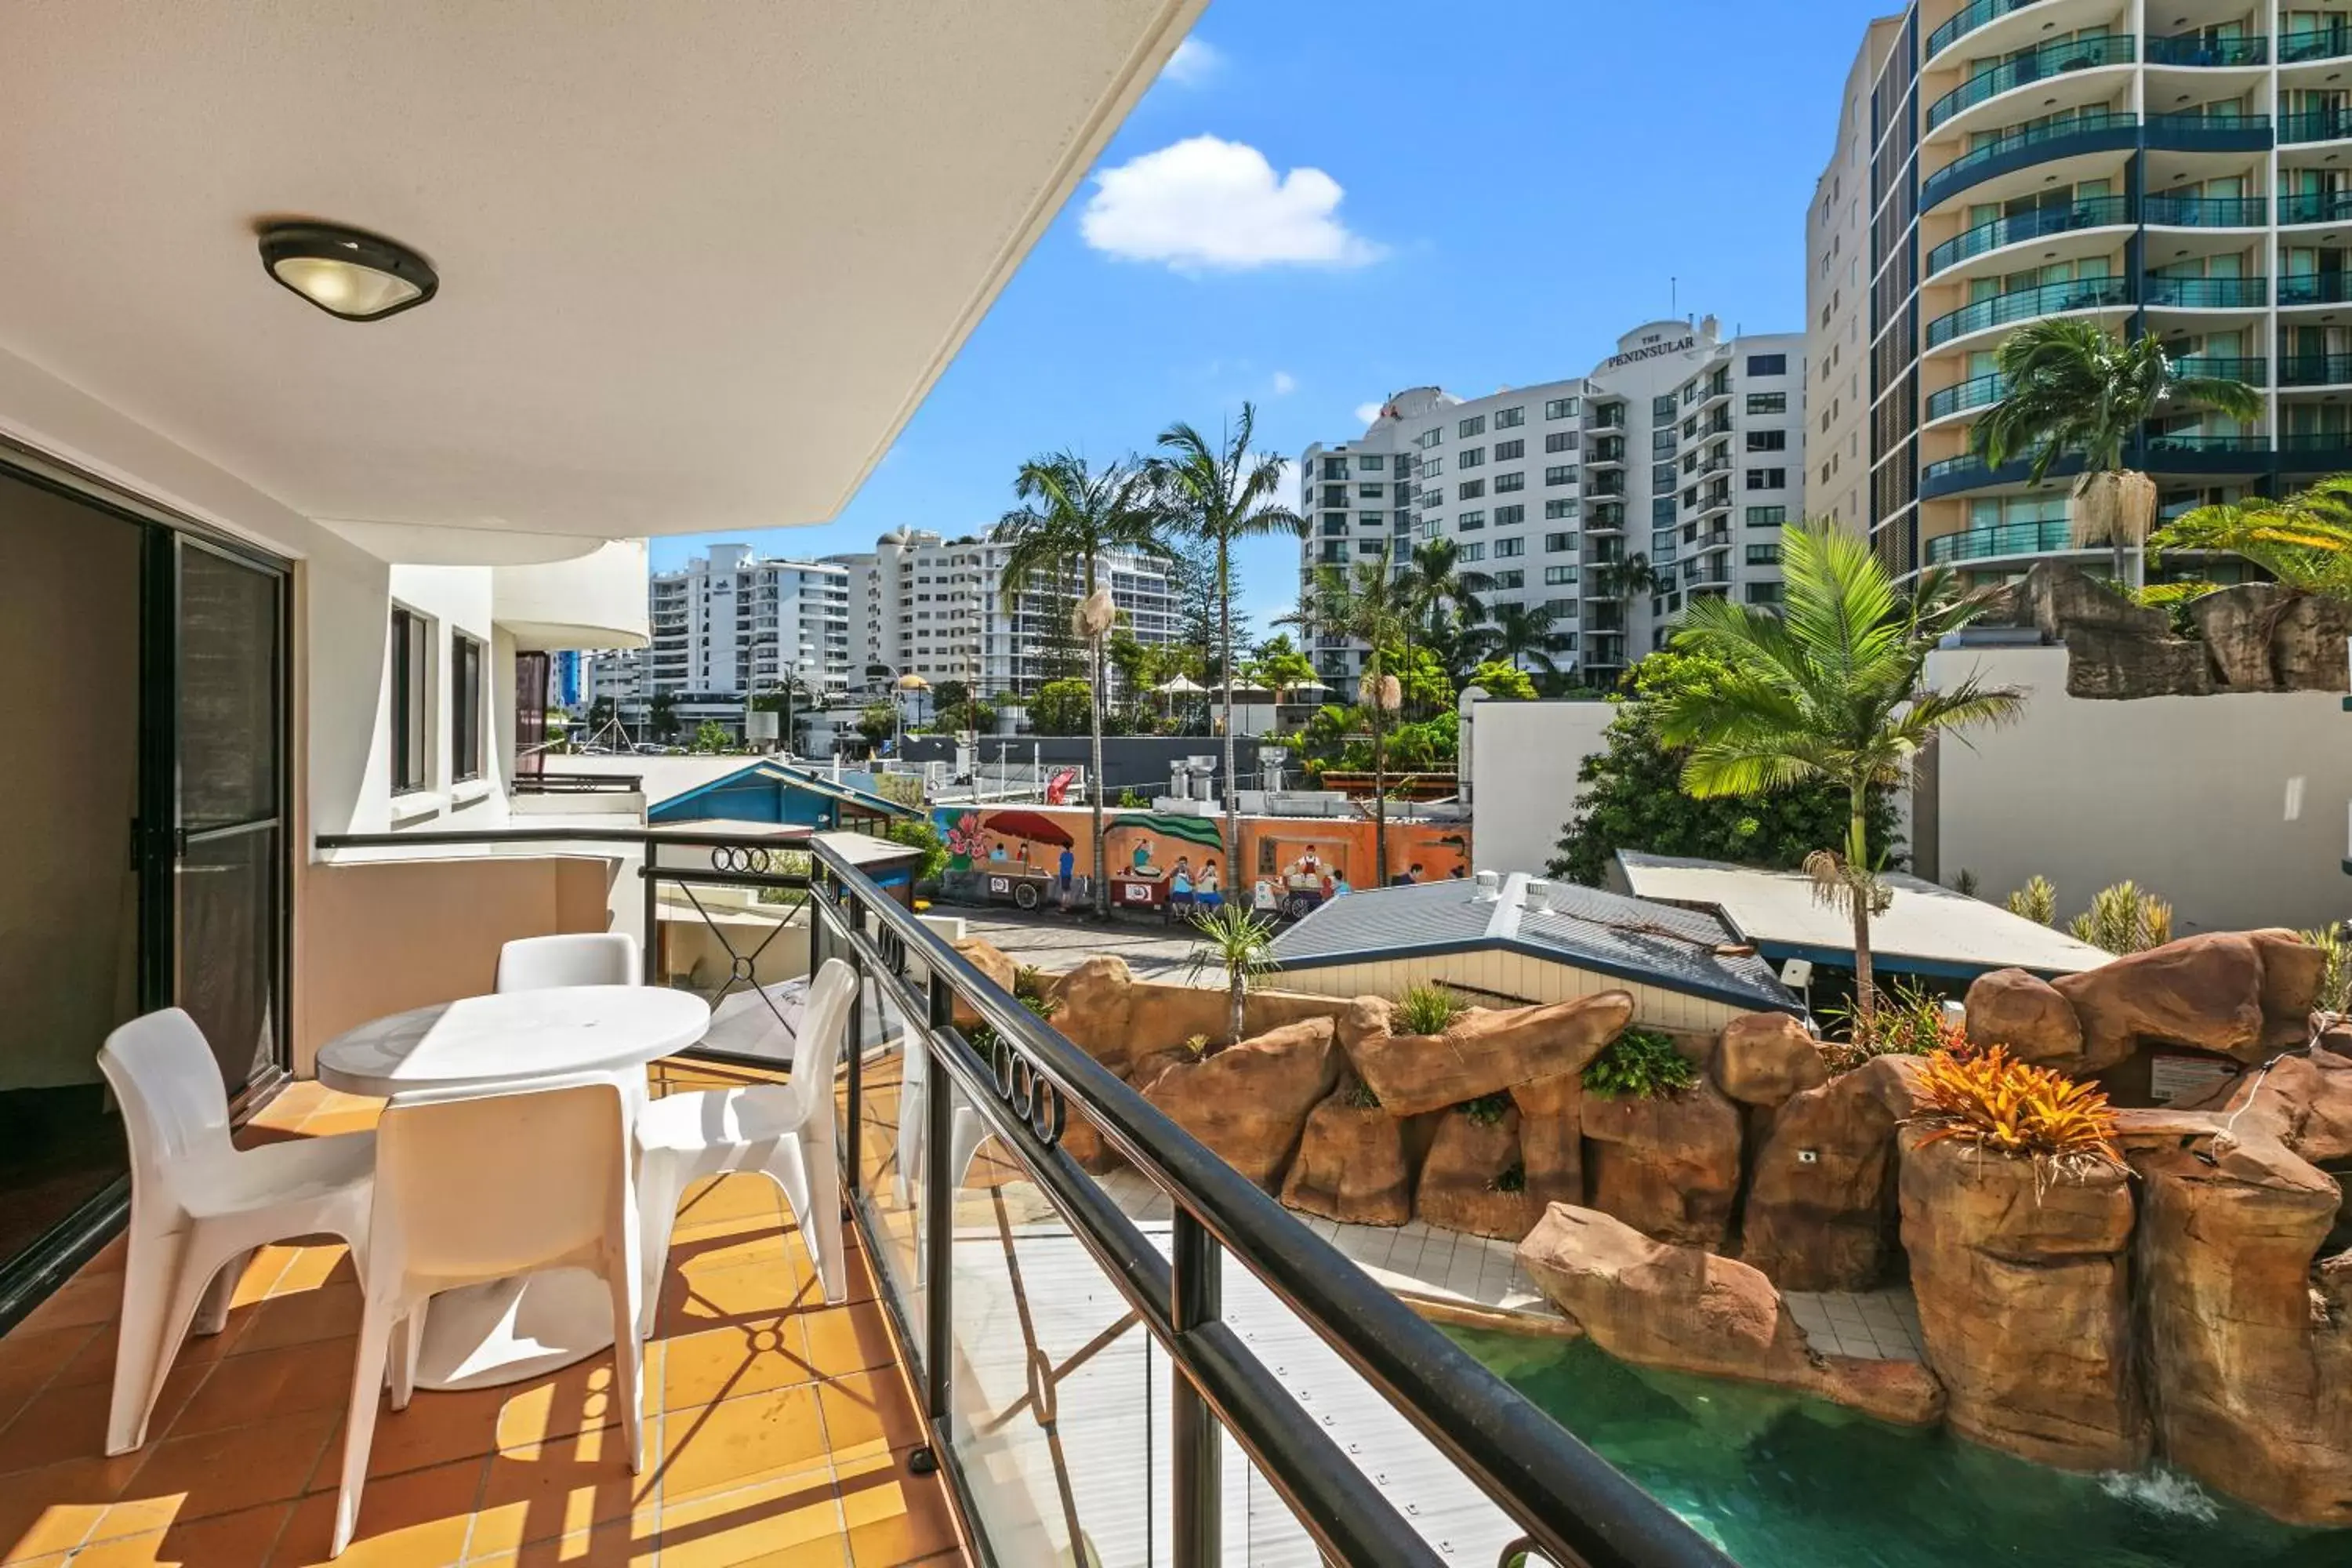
point(652, 913)
point(1197, 1494)
point(938, 1227)
point(852, 1135)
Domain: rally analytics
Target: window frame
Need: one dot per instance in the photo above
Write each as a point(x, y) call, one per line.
point(412, 700)
point(468, 670)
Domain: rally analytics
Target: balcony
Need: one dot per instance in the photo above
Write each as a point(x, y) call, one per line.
point(2315, 369)
point(2212, 54)
point(2253, 369)
point(2205, 212)
point(2060, 57)
point(2197, 131)
point(2315, 288)
point(2000, 538)
point(2206, 293)
point(2092, 130)
point(2314, 125)
point(1970, 19)
point(1978, 392)
point(2025, 304)
point(2332, 42)
point(2097, 211)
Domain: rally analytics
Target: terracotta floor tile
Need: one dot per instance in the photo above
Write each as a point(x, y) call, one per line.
point(698, 1300)
point(739, 1442)
point(267, 1384)
point(868, 1413)
point(437, 1428)
point(752, 1357)
point(853, 1337)
point(84, 1298)
point(30, 1362)
point(69, 1423)
point(53, 1507)
point(730, 1196)
point(244, 1538)
point(894, 1515)
point(221, 1472)
point(578, 1398)
point(420, 1520)
point(552, 1489)
point(612, 1546)
point(756, 1524)
point(312, 1267)
point(325, 1313)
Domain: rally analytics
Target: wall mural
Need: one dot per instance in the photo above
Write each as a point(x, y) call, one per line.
point(1043, 858)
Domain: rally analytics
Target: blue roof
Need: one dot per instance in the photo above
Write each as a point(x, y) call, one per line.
point(1628, 939)
point(790, 778)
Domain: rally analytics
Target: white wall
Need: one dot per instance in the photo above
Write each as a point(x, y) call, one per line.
point(2232, 806)
point(1521, 783)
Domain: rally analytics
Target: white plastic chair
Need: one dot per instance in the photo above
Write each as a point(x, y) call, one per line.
point(581, 958)
point(199, 1207)
point(783, 1132)
point(473, 1188)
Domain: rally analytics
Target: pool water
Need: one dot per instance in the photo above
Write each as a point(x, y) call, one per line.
point(1781, 1481)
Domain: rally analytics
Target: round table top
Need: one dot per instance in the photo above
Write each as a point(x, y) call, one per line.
point(513, 1037)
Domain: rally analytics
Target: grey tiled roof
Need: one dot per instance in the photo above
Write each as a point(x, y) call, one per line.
point(1628, 939)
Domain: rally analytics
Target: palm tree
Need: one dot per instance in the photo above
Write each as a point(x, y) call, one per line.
point(1074, 515)
point(2075, 388)
point(1827, 688)
point(1219, 496)
point(1240, 946)
point(1521, 631)
point(1363, 602)
point(2305, 541)
point(1431, 582)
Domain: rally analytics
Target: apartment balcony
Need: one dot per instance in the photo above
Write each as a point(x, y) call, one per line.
point(2091, 132)
point(2308, 289)
point(1999, 541)
point(1967, 21)
point(2309, 45)
point(2092, 61)
point(2205, 293)
point(2310, 371)
point(2165, 211)
point(2314, 125)
point(2202, 53)
point(2085, 295)
point(2186, 455)
point(2093, 213)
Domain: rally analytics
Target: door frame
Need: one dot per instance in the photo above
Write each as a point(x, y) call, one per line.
point(49, 1262)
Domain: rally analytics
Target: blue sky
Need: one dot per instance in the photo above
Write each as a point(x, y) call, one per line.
point(1388, 195)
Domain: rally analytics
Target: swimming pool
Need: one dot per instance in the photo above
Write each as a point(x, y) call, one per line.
point(1780, 1482)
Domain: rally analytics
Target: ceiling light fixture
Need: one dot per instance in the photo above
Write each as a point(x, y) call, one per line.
point(347, 272)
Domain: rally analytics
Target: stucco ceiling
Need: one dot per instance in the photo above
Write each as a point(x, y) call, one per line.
point(700, 260)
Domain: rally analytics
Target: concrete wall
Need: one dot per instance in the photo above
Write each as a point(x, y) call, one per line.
point(1520, 779)
point(380, 937)
point(2232, 806)
point(69, 900)
point(1129, 761)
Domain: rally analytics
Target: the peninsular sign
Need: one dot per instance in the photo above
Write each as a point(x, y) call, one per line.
point(1652, 350)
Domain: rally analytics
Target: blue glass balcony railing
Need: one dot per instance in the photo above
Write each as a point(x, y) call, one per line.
point(1968, 21)
point(2056, 57)
point(2206, 212)
point(2315, 289)
point(2206, 293)
point(1978, 391)
point(2314, 206)
point(2316, 125)
point(2000, 539)
point(2092, 212)
point(2024, 304)
point(2194, 49)
point(2331, 42)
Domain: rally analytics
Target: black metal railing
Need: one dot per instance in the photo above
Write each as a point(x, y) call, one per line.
point(2201, 49)
point(2331, 41)
point(576, 783)
point(2315, 289)
point(1028, 1086)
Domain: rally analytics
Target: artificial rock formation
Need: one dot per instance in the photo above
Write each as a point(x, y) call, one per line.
point(1249, 1102)
point(2024, 1301)
point(1486, 1052)
point(2239, 994)
point(1351, 1165)
point(1668, 1165)
point(1821, 1211)
point(1657, 1304)
point(1462, 1180)
point(1765, 1058)
point(991, 961)
point(1551, 1138)
point(1096, 999)
point(2025, 1013)
point(2254, 637)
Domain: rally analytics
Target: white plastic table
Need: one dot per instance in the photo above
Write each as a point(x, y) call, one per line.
point(531, 1324)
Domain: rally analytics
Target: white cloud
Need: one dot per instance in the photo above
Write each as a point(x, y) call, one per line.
point(1367, 411)
point(1284, 384)
point(1209, 203)
point(1194, 63)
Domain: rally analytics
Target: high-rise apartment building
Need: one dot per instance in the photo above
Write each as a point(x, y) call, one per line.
point(730, 624)
point(2183, 173)
point(920, 604)
point(1683, 451)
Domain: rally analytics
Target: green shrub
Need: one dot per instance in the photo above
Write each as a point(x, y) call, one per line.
point(1358, 1095)
point(1511, 1178)
point(1640, 1064)
point(1487, 1109)
point(1426, 1009)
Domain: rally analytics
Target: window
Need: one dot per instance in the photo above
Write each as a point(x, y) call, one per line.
point(1470, 458)
point(1560, 542)
point(411, 699)
point(1432, 467)
point(1473, 425)
point(1767, 440)
point(1767, 516)
point(1561, 474)
point(1768, 402)
point(1506, 548)
point(1335, 495)
point(1335, 467)
point(1371, 492)
point(1662, 409)
point(1662, 443)
point(1559, 576)
point(1370, 520)
point(1763, 592)
point(1470, 489)
point(1429, 437)
point(1511, 579)
point(1768, 479)
point(1556, 509)
point(1560, 441)
point(1334, 524)
point(1560, 408)
point(1510, 418)
point(1517, 479)
point(1371, 463)
point(1767, 364)
point(1763, 555)
point(1370, 546)
point(1470, 520)
point(1504, 451)
point(1507, 515)
point(1335, 551)
point(1471, 552)
point(1662, 511)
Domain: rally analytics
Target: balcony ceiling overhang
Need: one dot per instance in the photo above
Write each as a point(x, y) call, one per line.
point(698, 263)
